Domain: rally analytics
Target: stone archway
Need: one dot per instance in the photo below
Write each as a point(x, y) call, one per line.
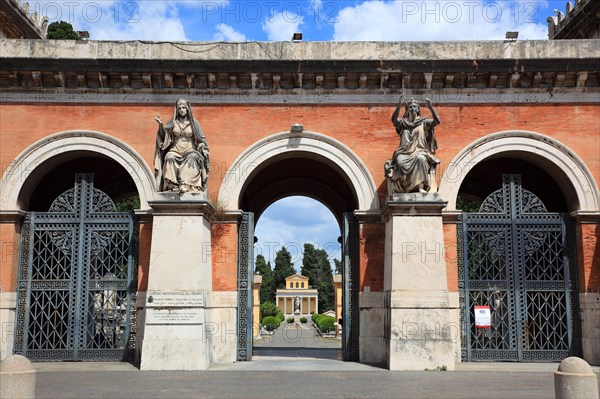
point(316, 166)
point(568, 175)
point(571, 174)
point(309, 145)
point(25, 172)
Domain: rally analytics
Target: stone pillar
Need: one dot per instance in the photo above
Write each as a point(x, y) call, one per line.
point(179, 284)
point(337, 284)
point(589, 305)
point(256, 304)
point(418, 331)
point(575, 380)
point(17, 378)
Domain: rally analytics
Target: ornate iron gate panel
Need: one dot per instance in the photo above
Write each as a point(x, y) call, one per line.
point(515, 258)
point(244, 285)
point(350, 266)
point(76, 282)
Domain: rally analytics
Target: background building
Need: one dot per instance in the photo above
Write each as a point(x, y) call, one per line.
point(297, 295)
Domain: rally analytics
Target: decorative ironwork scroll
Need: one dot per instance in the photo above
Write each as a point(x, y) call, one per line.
point(76, 281)
point(350, 266)
point(514, 257)
point(244, 285)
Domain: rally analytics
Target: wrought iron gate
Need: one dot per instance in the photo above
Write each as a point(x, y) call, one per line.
point(244, 285)
point(350, 266)
point(76, 283)
point(516, 258)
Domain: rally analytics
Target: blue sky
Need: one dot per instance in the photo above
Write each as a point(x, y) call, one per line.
point(318, 20)
point(292, 222)
point(296, 220)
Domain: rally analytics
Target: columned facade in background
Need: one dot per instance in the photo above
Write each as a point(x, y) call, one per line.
point(297, 297)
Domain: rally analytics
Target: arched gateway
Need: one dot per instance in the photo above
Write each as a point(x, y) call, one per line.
point(77, 277)
point(299, 163)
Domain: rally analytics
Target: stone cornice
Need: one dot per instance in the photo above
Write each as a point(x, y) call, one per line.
point(167, 52)
point(19, 22)
point(308, 72)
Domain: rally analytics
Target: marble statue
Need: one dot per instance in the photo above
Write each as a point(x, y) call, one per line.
point(413, 164)
point(181, 157)
point(296, 304)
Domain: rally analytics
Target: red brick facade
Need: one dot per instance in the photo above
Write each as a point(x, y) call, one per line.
point(366, 130)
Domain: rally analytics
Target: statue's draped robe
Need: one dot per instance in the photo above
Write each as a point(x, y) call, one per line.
point(181, 157)
point(414, 159)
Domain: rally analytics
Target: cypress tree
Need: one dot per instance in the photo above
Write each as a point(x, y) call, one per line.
point(316, 266)
point(267, 288)
point(283, 267)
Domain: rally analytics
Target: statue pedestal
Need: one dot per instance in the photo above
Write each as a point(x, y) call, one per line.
point(179, 284)
point(419, 333)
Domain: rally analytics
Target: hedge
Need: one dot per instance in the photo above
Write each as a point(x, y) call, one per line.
point(303, 320)
point(290, 319)
point(324, 323)
point(271, 323)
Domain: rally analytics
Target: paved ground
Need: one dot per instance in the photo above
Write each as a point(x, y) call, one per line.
point(278, 370)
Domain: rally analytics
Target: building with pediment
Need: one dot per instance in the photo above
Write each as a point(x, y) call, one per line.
point(297, 297)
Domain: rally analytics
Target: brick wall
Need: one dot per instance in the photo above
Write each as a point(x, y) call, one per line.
point(367, 130)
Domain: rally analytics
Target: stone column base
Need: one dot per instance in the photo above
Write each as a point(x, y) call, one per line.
point(418, 332)
point(179, 285)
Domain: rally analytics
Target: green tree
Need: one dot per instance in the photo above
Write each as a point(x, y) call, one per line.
point(268, 309)
point(466, 204)
point(267, 288)
point(61, 30)
point(283, 267)
point(316, 266)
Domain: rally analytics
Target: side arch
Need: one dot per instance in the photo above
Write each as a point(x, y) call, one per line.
point(63, 145)
point(570, 172)
point(309, 144)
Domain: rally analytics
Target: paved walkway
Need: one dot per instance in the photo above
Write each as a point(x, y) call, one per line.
point(302, 367)
point(293, 378)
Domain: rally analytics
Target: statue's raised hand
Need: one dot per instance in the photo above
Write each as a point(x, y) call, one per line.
point(158, 120)
point(428, 102)
point(401, 98)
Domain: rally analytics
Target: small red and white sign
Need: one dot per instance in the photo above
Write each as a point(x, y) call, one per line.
point(483, 317)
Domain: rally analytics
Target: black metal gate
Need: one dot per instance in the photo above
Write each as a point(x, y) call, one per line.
point(350, 266)
point(244, 285)
point(515, 259)
point(76, 282)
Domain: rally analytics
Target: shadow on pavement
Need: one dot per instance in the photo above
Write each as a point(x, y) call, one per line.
point(315, 353)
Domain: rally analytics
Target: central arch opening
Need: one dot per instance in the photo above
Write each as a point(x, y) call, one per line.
point(299, 200)
point(297, 255)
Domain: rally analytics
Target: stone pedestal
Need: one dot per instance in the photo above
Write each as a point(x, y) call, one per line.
point(17, 378)
point(179, 285)
point(575, 379)
point(418, 332)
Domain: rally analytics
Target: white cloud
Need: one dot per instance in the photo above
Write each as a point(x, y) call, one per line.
point(437, 20)
point(125, 20)
point(280, 26)
point(226, 33)
point(292, 222)
point(114, 20)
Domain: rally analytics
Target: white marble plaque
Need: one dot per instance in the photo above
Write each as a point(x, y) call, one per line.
point(174, 316)
point(190, 299)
